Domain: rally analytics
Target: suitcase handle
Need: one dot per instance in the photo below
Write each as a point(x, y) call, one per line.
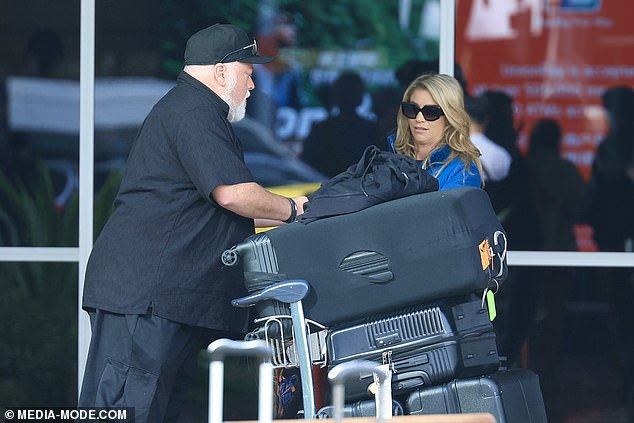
point(220, 349)
point(288, 292)
point(338, 375)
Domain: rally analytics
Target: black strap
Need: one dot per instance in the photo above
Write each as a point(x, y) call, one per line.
point(293, 215)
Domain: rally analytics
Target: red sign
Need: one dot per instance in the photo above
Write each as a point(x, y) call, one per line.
point(554, 57)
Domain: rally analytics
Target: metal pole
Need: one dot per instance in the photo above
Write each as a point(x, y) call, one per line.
point(446, 53)
point(305, 363)
point(86, 168)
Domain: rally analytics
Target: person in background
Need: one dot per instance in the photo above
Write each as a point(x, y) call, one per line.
point(43, 58)
point(44, 54)
point(610, 197)
point(279, 82)
point(558, 191)
point(432, 127)
point(513, 202)
point(557, 187)
point(496, 161)
point(338, 142)
point(511, 197)
point(155, 288)
point(609, 209)
point(386, 102)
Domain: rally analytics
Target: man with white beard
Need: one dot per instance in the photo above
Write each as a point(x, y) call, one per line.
point(155, 288)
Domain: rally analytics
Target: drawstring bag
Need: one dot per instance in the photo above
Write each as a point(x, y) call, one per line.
point(378, 177)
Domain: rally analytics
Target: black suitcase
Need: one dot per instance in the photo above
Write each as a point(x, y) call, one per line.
point(402, 252)
point(406, 329)
point(365, 408)
point(512, 396)
point(425, 345)
point(430, 365)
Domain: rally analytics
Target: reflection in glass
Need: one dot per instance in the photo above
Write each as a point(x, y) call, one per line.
point(570, 325)
point(38, 322)
point(31, 211)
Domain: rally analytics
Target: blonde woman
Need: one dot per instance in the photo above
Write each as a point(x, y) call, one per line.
point(432, 127)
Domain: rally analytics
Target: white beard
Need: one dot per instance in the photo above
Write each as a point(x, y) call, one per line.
point(236, 111)
point(239, 112)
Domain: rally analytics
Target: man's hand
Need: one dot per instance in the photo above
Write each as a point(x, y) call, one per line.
point(300, 201)
point(252, 200)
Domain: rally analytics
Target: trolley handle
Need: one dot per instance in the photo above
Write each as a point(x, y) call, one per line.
point(222, 348)
point(290, 291)
point(338, 375)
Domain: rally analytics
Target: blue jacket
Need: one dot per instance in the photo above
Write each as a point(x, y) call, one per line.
point(454, 175)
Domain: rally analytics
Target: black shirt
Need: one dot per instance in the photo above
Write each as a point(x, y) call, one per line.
point(161, 247)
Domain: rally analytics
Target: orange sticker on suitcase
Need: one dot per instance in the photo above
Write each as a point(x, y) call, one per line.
point(486, 255)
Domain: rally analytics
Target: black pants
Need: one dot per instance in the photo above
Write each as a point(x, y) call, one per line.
point(141, 361)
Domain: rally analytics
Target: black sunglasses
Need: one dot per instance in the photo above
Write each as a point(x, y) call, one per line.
point(253, 46)
point(430, 112)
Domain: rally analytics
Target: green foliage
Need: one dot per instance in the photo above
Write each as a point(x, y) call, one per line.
point(321, 25)
point(38, 322)
point(28, 216)
point(38, 305)
point(180, 19)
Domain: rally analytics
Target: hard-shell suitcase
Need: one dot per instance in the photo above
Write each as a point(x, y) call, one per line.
point(512, 396)
point(403, 252)
point(434, 364)
point(381, 406)
point(407, 329)
point(365, 408)
point(221, 348)
point(424, 345)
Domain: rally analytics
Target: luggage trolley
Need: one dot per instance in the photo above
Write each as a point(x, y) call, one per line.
point(221, 348)
point(289, 336)
point(444, 259)
point(296, 342)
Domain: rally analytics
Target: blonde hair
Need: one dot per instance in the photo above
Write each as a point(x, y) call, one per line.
point(447, 93)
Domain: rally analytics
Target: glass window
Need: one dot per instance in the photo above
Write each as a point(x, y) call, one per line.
point(557, 76)
point(38, 322)
point(571, 325)
point(39, 105)
point(556, 73)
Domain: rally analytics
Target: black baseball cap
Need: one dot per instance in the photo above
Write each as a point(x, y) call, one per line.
point(222, 43)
